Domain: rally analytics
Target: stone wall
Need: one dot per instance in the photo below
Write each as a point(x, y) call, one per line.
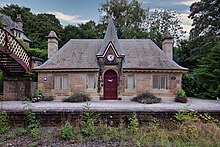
point(16, 88)
point(77, 83)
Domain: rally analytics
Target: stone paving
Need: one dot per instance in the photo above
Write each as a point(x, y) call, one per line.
point(113, 106)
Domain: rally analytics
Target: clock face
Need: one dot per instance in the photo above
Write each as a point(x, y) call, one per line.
point(110, 57)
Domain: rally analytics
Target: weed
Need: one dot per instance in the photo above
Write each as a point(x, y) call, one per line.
point(35, 132)
point(133, 124)
point(3, 118)
point(33, 123)
point(34, 144)
point(3, 122)
point(87, 124)
point(185, 115)
point(66, 131)
point(21, 131)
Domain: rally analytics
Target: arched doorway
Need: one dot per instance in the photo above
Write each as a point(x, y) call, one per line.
point(110, 85)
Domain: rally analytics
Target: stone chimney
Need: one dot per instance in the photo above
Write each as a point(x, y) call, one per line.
point(52, 43)
point(19, 22)
point(167, 45)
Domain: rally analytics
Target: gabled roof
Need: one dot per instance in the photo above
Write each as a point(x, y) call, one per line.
point(10, 25)
point(81, 54)
point(110, 36)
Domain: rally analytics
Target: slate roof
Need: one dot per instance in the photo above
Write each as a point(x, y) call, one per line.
point(110, 35)
point(9, 25)
point(81, 54)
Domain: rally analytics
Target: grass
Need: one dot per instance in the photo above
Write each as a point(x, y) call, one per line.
point(188, 133)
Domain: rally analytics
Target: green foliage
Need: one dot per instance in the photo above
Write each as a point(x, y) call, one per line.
point(161, 21)
point(185, 115)
point(129, 17)
point(133, 126)
point(33, 123)
point(21, 131)
point(37, 92)
point(87, 123)
point(180, 93)
point(3, 122)
point(146, 98)
point(66, 131)
point(77, 97)
point(48, 98)
point(205, 15)
point(208, 74)
point(180, 96)
point(36, 52)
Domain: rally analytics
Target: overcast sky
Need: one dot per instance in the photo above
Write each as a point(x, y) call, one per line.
point(80, 11)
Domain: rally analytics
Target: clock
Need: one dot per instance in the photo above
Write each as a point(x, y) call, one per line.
point(110, 57)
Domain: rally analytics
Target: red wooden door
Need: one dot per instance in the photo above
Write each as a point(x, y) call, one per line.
point(110, 85)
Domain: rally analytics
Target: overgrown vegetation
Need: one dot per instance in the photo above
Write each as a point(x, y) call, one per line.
point(146, 98)
point(66, 131)
point(3, 118)
point(87, 123)
point(187, 128)
point(33, 123)
point(77, 97)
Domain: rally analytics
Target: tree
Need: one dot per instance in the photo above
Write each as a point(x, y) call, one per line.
point(133, 21)
point(201, 53)
point(206, 18)
point(36, 27)
point(161, 21)
point(208, 74)
point(42, 27)
point(129, 17)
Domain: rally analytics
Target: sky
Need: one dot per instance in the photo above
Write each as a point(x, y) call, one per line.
point(79, 11)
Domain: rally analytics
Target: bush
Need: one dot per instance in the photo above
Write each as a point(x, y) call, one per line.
point(77, 97)
point(146, 98)
point(48, 98)
point(66, 131)
point(181, 96)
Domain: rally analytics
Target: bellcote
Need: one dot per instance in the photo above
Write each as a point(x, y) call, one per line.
point(110, 41)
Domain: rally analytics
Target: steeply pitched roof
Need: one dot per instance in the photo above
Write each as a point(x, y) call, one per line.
point(9, 25)
point(110, 35)
point(81, 54)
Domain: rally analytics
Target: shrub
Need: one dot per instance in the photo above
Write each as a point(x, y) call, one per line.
point(3, 122)
point(21, 131)
point(77, 97)
point(181, 96)
point(48, 98)
point(66, 131)
point(133, 124)
point(146, 98)
point(87, 123)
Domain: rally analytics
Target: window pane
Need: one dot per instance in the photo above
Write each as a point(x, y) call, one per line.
point(155, 82)
point(130, 82)
point(65, 82)
point(90, 81)
point(57, 81)
point(162, 82)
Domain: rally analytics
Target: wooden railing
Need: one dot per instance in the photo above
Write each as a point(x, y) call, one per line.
point(12, 46)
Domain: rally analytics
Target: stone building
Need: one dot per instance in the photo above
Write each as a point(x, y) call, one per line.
point(110, 68)
point(14, 27)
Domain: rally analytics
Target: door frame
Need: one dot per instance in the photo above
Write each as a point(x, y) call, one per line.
point(104, 84)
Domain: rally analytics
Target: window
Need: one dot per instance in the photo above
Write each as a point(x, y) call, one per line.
point(159, 82)
point(61, 82)
point(130, 82)
point(90, 82)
